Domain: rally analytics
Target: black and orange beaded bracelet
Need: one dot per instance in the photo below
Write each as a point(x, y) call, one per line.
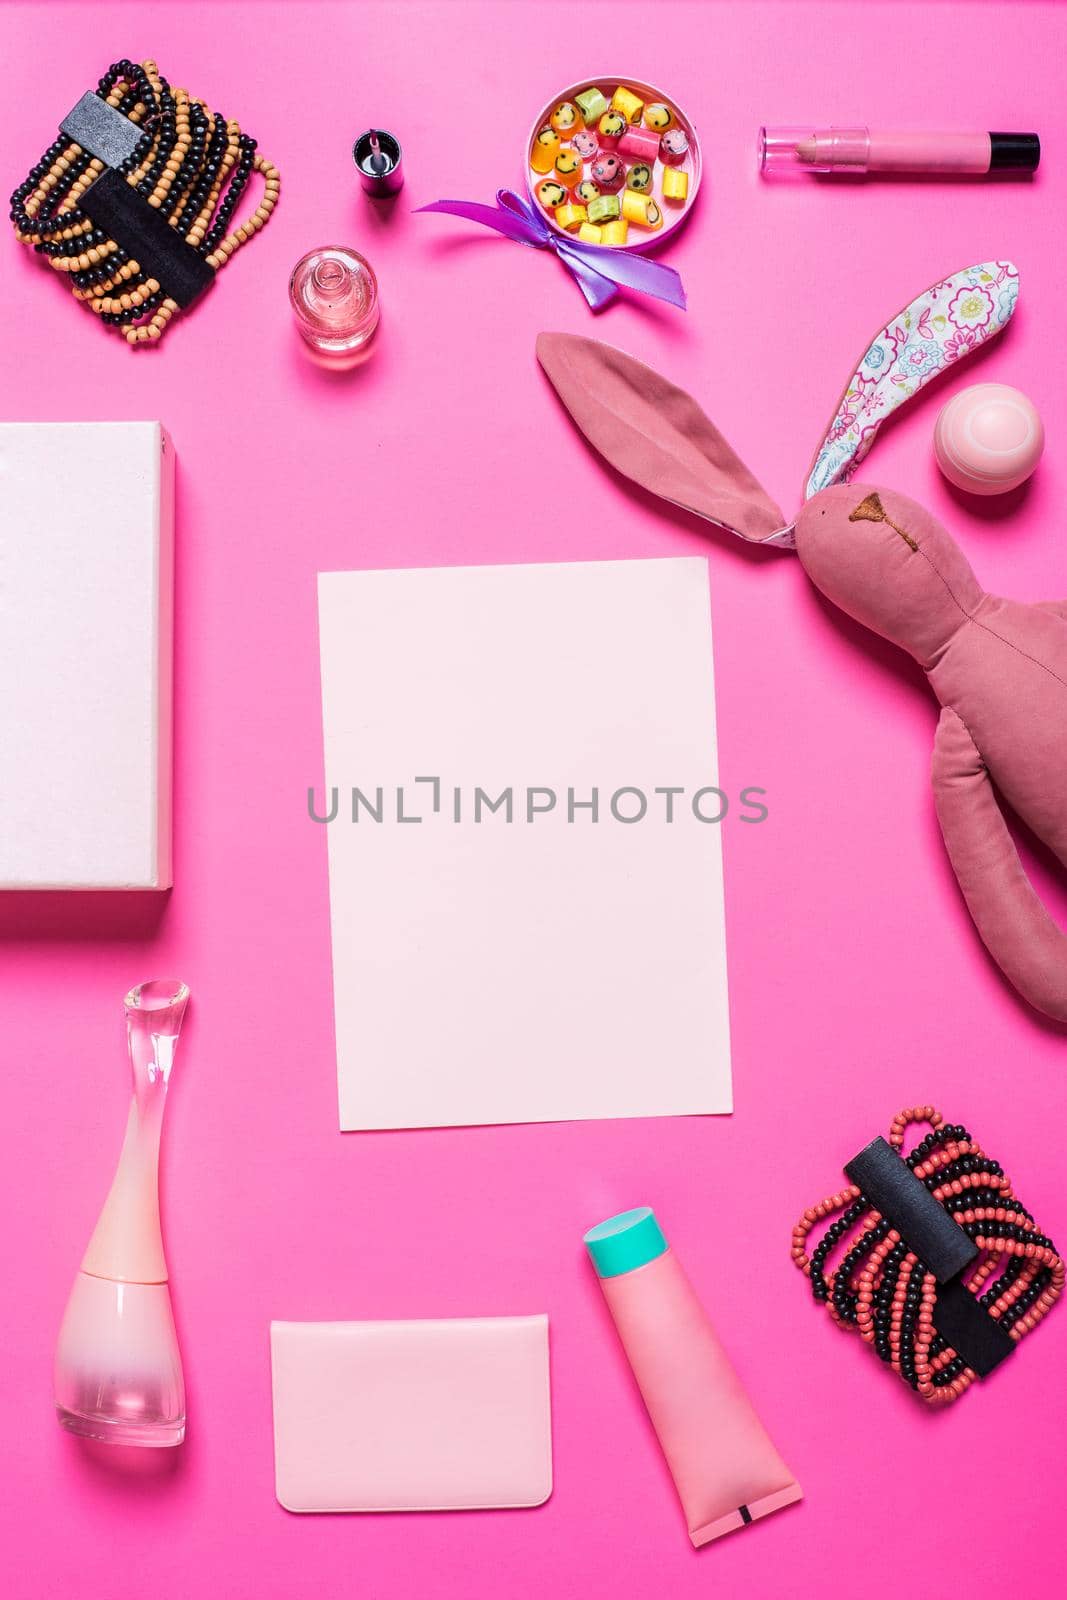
point(134, 202)
point(943, 1269)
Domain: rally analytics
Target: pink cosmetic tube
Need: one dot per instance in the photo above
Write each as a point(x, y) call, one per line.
point(788, 151)
point(725, 1468)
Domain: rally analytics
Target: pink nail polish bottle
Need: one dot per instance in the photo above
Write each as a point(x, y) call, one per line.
point(334, 295)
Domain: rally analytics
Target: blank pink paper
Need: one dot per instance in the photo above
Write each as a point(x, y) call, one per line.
point(526, 891)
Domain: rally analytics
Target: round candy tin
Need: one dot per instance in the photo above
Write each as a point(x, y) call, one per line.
point(674, 199)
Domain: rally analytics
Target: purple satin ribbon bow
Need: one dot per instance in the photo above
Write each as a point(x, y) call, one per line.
point(597, 269)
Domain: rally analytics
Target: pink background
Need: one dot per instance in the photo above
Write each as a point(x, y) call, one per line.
point(857, 985)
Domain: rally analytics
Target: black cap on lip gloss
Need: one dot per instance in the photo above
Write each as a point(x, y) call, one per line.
point(1014, 152)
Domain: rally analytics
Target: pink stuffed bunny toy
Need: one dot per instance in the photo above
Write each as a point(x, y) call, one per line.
point(998, 667)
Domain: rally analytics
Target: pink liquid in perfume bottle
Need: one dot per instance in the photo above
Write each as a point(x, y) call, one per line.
point(334, 295)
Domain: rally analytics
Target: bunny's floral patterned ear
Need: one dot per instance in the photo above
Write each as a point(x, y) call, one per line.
point(944, 325)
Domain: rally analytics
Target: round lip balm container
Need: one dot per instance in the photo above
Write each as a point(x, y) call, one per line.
point(639, 240)
point(988, 439)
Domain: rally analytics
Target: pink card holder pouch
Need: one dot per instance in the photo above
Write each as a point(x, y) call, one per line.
point(444, 1415)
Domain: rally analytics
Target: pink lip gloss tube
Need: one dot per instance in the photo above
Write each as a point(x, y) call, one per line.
point(784, 152)
point(725, 1468)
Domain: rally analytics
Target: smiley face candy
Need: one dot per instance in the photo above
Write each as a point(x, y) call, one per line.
point(551, 194)
point(610, 129)
point(545, 150)
point(641, 209)
point(674, 146)
point(659, 117)
point(585, 144)
point(569, 167)
point(586, 191)
point(639, 177)
point(608, 173)
point(566, 119)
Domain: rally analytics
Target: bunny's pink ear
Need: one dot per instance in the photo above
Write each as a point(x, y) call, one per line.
point(657, 435)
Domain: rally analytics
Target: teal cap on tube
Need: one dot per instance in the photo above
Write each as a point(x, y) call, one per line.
point(622, 1243)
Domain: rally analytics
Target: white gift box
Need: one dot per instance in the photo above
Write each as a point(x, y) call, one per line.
point(86, 596)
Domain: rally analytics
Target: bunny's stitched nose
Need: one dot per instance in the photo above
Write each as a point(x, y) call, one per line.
point(872, 510)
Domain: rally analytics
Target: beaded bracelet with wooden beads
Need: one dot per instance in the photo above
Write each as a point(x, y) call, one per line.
point(889, 1296)
point(192, 166)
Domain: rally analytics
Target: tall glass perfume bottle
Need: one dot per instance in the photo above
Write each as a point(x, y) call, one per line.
point(334, 295)
point(118, 1371)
